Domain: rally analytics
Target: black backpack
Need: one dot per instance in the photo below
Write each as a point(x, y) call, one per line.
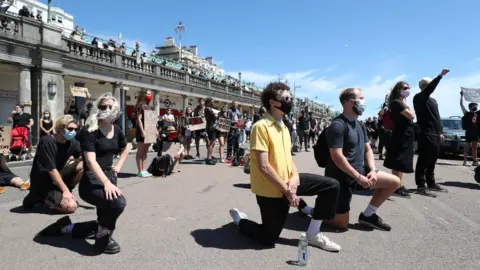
point(161, 165)
point(238, 157)
point(321, 150)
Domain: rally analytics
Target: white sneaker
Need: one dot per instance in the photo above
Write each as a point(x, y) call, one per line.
point(237, 215)
point(321, 241)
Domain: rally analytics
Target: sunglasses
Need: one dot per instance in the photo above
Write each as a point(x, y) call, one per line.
point(104, 107)
point(406, 88)
point(70, 129)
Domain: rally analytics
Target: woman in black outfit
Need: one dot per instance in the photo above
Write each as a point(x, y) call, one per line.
point(46, 124)
point(143, 104)
point(100, 141)
point(400, 149)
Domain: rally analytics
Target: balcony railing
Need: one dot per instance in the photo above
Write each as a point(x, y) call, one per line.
point(9, 24)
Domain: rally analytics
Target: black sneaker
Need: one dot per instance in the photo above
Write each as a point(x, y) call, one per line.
point(107, 244)
point(423, 190)
point(437, 188)
point(210, 162)
point(300, 207)
point(380, 156)
point(55, 229)
point(402, 192)
point(374, 221)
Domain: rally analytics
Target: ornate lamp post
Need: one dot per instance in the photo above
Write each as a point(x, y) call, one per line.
point(179, 30)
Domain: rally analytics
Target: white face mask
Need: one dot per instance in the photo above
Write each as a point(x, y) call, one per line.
point(107, 115)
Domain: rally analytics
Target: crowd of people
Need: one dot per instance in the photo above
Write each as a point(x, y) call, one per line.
point(84, 157)
point(152, 57)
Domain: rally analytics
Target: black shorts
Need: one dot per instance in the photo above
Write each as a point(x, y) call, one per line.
point(212, 134)
point(138, 136)
point(348, 186)
point(199, 133)
point(6, 178)
point(471, 135)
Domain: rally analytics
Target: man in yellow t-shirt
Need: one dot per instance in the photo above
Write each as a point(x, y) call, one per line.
point(276, 182)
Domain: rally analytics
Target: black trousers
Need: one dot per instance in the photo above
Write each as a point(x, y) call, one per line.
point(274, 211)
point(311, 136)
point(108, 211)
point(428, 150)
point(384, 138)
point(232, 142)
point(303, 136)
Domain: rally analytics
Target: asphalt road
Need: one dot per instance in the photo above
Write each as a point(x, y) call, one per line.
point(182, 222)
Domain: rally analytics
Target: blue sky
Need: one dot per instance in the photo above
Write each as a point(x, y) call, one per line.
point(323, 45)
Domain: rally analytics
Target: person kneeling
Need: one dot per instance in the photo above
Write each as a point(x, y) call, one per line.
point(170, 154)
point(7, 178)
point(276, 182)
point(57, 168)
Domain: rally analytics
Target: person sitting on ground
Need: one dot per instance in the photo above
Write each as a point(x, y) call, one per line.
point(276, 182)
point(57, 168)
point(7, 177)
point(170, 153)
point(350, 153)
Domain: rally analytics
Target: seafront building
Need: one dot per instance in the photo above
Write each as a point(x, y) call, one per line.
point(40, 60)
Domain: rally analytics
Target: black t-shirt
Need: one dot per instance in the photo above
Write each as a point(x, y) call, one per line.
point(353, 146)
point(104, 148)
point(210, 117)
point(21, 120)
point(426, 109)
point(313, 122)
point(469, 119)
point(73, 110)
point(52, 155)
point(199, 111)
point(396, 108)
point(303, 123)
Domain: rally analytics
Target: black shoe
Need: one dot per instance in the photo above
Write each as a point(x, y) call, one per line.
point(380, 156)
point(55, 229)
point(423, 190)
point(300, 207)
point(293, 154)
point(107, 244)
point(437, 188)
point(210, 162)
point(402, 192)
point(374, 221)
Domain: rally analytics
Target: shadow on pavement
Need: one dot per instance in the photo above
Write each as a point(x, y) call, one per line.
point(461, 185)
point(126, 175)
point(228, 237)
point(300, 222)
point(39, 209)
point(80, 246)
point(245, 186)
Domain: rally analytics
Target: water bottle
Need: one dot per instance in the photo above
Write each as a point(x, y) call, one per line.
point(302, 250)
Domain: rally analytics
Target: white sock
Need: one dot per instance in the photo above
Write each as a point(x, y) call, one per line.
point(67, 229)
point(236, 215)
point(314, 227)
point(370, 210)
point(307, 210)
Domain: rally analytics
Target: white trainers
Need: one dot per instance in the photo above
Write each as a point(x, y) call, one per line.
point(237, 215)
point(321, 241)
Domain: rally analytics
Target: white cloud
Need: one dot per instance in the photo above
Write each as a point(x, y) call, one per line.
point(327, 88)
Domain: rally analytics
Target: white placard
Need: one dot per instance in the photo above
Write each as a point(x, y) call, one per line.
point(471, 94)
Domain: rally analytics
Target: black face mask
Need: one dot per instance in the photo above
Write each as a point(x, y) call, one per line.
point(286, 106)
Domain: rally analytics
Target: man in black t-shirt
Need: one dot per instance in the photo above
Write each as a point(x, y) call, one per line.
point(313, 125)
point(21, 119)
point(171, 147)
point(211, 118)
point(303, 130)
point(200, 112)
point(56, 168)
point(471, 132)
point(428, 119)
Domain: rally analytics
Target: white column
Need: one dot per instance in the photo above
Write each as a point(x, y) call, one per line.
point(156, 101)
point(25, 95)
point(185, 103)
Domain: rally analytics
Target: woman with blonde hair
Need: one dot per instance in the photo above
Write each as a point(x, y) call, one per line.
point(143, 104)
point(100, 141)
point(46, 124)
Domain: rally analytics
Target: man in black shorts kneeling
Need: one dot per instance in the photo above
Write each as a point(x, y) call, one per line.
point(56, 169)
point(7, 177)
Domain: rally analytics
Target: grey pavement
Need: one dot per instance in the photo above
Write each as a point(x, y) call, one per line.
point(182, 222)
